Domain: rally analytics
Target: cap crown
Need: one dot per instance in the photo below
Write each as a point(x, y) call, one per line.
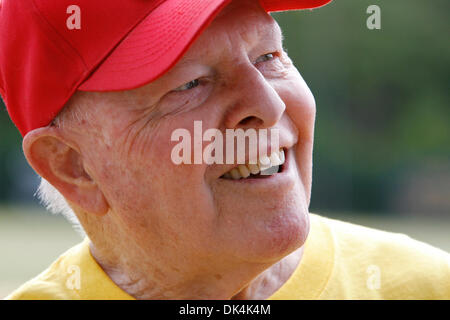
point(48, 47)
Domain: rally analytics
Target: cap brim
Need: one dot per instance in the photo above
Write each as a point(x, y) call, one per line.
point(144, 55)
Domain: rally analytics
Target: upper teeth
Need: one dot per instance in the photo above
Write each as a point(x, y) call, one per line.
point(265, 165)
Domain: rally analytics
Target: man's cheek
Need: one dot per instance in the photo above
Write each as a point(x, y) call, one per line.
point(300, 106)
point(301, 110)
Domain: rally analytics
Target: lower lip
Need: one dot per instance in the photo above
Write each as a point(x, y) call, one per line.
point(285, 177)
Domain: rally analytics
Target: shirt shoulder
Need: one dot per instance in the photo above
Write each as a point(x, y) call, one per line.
point(75, 275)
point(37, 289)
point(371, 263)
point(57, 282)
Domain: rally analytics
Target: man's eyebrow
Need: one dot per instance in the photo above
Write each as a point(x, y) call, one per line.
point(185, 61)
point(278, 31)
point(275, 33)
point(280, 36)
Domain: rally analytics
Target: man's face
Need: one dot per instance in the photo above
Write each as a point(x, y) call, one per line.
point(187, 216)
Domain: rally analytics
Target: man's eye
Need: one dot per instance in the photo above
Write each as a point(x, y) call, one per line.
point(265, 57)
point(188, 86)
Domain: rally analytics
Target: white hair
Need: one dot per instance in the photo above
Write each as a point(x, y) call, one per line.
point(55, 202)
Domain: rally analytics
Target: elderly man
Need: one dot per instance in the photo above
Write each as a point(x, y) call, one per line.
point(131, 73)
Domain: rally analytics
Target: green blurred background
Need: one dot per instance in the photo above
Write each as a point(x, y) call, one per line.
point(382, 148)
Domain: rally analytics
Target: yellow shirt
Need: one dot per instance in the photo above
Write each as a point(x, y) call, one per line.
point(340, 261)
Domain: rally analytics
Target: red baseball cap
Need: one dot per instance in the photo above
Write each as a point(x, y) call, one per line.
point(49, 49)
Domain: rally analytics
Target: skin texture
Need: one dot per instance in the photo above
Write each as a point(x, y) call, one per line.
point(163, 231)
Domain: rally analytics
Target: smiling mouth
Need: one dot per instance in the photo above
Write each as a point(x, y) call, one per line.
point(265, 167)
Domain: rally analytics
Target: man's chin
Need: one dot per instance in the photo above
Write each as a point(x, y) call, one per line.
point(283, 234)
point(287, 237)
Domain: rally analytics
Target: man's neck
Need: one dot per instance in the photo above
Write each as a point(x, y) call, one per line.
point(272, 279)
point(260, 285)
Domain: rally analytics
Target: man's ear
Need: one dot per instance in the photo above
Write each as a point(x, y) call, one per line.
point(61, 164)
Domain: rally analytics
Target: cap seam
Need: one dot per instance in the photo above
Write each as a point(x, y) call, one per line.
point(98, 63)
point(42, 17)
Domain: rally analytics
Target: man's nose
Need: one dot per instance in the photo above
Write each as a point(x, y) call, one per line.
point(257, 105)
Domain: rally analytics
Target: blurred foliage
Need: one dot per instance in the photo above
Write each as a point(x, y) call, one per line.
point(382, 98)
point(10, 142)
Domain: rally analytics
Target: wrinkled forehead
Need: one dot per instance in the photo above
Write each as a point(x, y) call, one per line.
point(246, 20)
point(241, 8)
